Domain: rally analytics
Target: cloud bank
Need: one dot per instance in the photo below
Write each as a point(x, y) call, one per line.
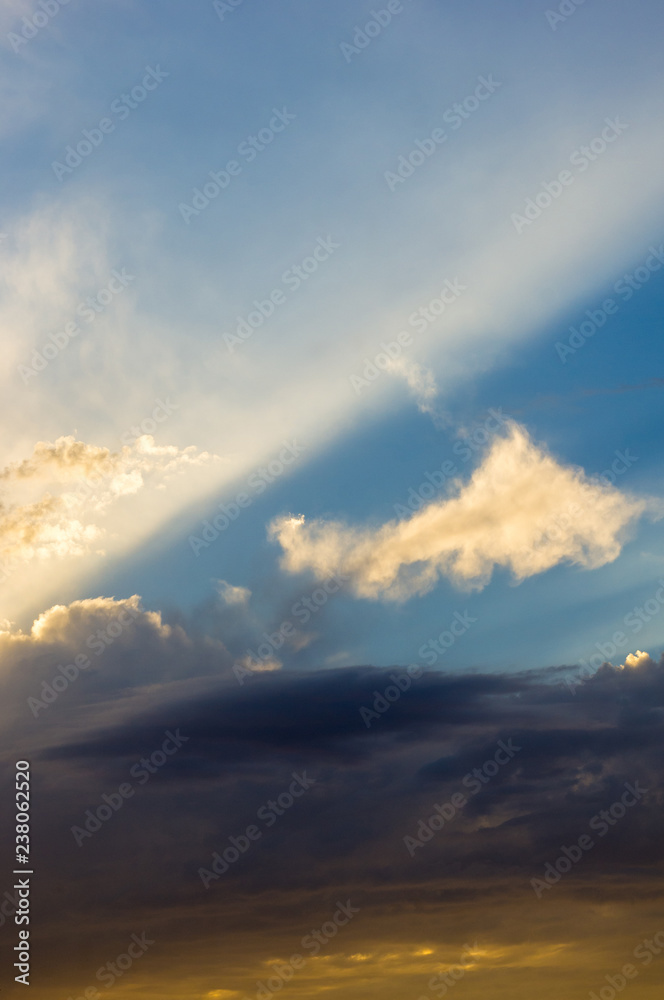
point(344, 839)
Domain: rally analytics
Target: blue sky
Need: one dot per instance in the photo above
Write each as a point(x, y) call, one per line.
point(322, 177)
point(332, 346)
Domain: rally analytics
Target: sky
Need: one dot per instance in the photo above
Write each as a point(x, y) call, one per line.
point(331, 339)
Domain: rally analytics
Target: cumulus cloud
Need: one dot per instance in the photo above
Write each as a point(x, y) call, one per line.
point(634, 661)
point(59, 523)
point(521, 510)
point(124, 648)
point(67, 623)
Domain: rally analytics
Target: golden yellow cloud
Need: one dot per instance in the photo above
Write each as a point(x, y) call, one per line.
point(44, 526)
point(521, 510)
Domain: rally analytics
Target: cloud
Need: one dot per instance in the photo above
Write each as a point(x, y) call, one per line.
point(128, 649)
point(269, 664)
point(64, 628)
point(634, 661)
point(521, 510)
point(66, 458)
point(43, 528)
point(422, 384)
point(344, 839)
point(232, 595)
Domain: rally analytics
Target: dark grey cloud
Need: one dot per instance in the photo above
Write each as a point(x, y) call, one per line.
point(372, 787)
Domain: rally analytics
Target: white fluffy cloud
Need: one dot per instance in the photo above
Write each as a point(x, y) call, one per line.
point(60, 523)
point(521, 510)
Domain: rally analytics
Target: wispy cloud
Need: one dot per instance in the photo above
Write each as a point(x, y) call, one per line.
point(422, 383)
